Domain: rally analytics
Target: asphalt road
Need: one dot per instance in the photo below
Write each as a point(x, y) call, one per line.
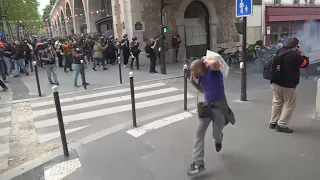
point(161, 147)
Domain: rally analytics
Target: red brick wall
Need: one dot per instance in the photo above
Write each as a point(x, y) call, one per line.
point(118, 15)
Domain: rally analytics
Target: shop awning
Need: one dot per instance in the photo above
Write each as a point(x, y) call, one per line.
point(292, 18)
point(292, 13)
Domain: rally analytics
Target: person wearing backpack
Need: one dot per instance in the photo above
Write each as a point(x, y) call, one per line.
point(284, 75)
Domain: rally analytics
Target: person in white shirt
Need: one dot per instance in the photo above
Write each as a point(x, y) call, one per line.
point(58, 47)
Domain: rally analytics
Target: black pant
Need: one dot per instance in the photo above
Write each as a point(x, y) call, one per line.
point(2, 69)
point(137, 61)
point(153, 61)
point(40, 62)
point(67, 62)
point(60, 59)
point(2, 84)
point(29, 61)
point(126, 56)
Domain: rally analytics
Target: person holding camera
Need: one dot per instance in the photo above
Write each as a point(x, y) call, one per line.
point(48, 57)
point(151, 50)
point(135, 51)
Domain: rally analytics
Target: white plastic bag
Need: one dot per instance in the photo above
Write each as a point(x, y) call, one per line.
point(224, 68)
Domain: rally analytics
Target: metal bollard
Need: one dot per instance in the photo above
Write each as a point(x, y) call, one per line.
point(185, 77)
point(37, 76)
point(60, 120)
point(133, 101)
point(119, 63)
point(84, 75)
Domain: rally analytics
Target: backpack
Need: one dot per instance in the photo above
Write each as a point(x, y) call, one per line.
point(272, 68)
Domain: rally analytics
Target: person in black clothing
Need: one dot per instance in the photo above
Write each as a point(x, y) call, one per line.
point(77, 57)
point(49, 61)
point(7, 54)
point(285, 79)
point(175, 46)
point(135, 51)
point(29, 50)
point(125, 49)
point(151, 53)
point(110, 50)
point(2, 63)
point(19, 56)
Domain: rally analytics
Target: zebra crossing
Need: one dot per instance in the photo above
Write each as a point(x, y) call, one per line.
point(103, 108)
point(5, 118)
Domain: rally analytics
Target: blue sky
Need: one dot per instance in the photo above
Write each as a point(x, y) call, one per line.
point(43, 4)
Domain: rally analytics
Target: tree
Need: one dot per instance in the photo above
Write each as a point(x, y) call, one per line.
point(46, 12)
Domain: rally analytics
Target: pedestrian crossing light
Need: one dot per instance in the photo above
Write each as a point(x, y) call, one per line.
point(164, 29)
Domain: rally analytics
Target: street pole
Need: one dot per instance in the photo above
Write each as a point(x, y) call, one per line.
point(185, 81)
point(60, 120)
point(162, 56)
point(37, 77)
point(133, 101)
point(84, 75)
point(2, 21)
point(243, 65)
point(119, 64)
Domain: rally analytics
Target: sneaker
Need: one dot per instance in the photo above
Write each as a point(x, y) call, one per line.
point(85, 83)
point(57, 84)
point(125, 66)
point(283, 129)
point(105, 68)
point(4, 89)
point(27, 74)
point(195, 169)
point(94, 69)
point(272, 126)
point(52, 83)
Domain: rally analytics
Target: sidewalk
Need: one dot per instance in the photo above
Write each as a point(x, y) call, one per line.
point(250, 149)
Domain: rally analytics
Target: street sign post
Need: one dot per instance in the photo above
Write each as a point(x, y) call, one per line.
point(243, 10)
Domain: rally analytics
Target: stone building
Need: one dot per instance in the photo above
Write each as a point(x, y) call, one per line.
point(202, 24)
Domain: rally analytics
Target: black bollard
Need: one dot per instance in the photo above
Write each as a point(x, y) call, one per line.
point(37, 76)
point(133, 101)
point(185, 78)
point(60, 120)
point(119, 63)
point(84, 75)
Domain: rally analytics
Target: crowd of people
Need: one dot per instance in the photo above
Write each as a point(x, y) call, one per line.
point(17, 58)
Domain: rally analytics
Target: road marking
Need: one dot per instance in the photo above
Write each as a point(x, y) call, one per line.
point(103, 101)
point(5, 119)
point(62, 170)
point(50, 136)
point(108, 111)
point(88, 96)
point(4, 110)
point(136, 132)
point(4, 149)
point(4, 131)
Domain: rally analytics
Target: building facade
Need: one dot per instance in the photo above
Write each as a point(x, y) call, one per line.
point(202, 24)
point(274, 20)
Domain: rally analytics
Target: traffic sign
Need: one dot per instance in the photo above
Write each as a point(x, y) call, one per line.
point(1, 34)
point(243, 8)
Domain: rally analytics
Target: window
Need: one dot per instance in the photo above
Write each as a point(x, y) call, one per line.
point(257, 2)
point(277, 1)
point(296, 1)
point(108, 8)
point(312, 2)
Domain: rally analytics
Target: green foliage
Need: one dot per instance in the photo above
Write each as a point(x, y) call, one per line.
point(46, 12)
point(23, 12)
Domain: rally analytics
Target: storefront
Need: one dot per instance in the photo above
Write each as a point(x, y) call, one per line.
point(283, 22)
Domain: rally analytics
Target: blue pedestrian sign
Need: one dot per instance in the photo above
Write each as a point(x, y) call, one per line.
point(1, 34)
point(243, 8)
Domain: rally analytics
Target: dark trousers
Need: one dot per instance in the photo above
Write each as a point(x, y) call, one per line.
point(137, 61)
point(153, 61)
point(29, 61)
point(3, 70)
point(2, 84)
point(126, 56)
point(40, 62)
point(67, 62)
point(60, 60)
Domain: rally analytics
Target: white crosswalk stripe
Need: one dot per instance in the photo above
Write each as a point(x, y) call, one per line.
point(4, 131)
point(103, 108)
